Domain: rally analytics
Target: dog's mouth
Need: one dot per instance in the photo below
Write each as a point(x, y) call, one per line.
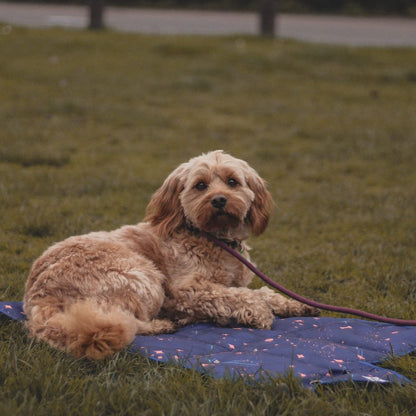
point(221, 219)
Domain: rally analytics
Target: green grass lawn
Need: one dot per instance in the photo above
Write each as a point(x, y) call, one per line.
point(91, 124)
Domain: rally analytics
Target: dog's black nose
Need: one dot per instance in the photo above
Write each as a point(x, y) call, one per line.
point(219, 201)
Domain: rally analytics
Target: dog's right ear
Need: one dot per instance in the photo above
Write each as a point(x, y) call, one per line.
point(165, 211)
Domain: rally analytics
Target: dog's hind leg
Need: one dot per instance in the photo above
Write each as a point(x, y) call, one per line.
point(155, 326)
point(83, 329)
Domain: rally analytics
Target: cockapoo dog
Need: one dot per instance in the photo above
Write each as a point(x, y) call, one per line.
point(90, 295)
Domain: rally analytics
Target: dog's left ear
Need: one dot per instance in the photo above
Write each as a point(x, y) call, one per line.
point(262, 205)
point(165, 210)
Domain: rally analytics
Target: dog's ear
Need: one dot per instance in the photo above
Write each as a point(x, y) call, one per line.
point(262, 205)
point(165, 210)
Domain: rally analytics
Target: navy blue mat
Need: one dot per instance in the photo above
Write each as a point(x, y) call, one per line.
point(316, 350)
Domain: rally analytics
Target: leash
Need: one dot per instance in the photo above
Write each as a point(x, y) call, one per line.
point(293, 295)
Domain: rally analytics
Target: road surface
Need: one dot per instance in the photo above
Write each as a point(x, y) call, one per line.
point(323, 29)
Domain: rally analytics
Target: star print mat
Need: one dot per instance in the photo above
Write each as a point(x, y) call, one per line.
point(316, 350)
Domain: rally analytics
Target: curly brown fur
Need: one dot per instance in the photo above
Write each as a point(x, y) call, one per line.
point(91, 294)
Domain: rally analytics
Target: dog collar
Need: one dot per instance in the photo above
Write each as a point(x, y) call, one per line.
point(234, 244)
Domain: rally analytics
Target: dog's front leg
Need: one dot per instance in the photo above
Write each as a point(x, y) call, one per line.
point(221, 304)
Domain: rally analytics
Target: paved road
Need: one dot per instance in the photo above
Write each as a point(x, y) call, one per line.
point(324, 29)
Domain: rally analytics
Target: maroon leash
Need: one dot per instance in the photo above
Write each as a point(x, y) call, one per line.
point(293, 295)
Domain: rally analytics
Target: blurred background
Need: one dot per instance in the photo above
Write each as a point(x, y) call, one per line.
point(346, 22)
point(350, 7)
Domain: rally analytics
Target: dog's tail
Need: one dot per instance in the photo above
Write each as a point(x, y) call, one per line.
point(84, 329)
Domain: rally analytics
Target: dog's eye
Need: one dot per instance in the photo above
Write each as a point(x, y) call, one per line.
point(232, 182)
point(201, 186)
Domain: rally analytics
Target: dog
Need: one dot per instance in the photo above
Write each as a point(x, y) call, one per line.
point(89, 295)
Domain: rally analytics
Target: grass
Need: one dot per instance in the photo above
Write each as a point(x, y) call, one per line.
point(91, 124)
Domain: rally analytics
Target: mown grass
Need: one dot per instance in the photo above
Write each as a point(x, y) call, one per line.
point(91, 124)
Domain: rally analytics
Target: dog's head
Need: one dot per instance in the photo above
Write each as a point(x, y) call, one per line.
point(214, 192)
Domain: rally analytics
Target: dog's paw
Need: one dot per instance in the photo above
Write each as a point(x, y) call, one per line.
point(310, 311)
point(167, 326)
point(285, 307)
point(156, 326)
point(295, 308)
point(260, 317)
